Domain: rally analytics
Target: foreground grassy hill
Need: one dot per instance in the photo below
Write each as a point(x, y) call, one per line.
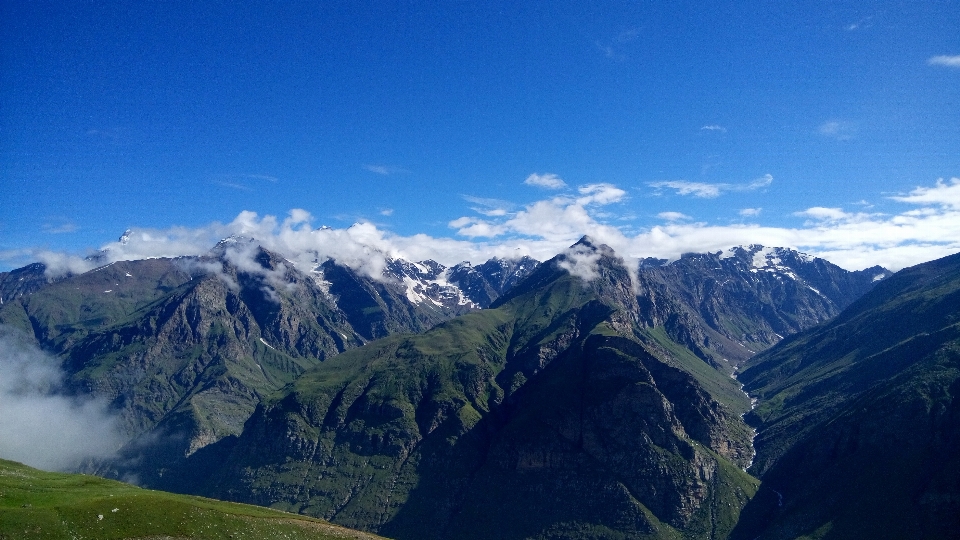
point(42, 505)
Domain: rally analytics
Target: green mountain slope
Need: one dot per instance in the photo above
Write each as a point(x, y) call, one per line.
point(859, 418)
point(51, 506)
point(540, 417)
point(185, 348)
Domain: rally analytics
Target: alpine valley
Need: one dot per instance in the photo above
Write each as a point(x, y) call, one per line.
point(580, 397)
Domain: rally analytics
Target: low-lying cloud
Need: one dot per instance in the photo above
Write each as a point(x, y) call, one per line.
point(39, 424)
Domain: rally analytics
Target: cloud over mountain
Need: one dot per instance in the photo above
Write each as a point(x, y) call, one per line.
point(39, 424)
point(927, 228)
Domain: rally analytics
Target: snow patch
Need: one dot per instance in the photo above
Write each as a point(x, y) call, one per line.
point(411, 286)
point(320, 280)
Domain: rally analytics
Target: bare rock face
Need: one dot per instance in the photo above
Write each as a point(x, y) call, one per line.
point(727, 306)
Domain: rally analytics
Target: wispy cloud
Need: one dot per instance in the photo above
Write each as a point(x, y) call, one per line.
point(384, 170)
point(242, 181)
point(233, 185)
point(862, 24)
point(705, 190)
point(673, 216)
point(489, 207)
point(600, 194)
point(945, 60)
point(838, 129)
point(714, 127)
point(266, 177)
point(386, 212)
point(611, 47)
point(546, 180)
point(379, 169)
point(820, 214)
point(941, 194)
point(61, 227)
point(750, 212)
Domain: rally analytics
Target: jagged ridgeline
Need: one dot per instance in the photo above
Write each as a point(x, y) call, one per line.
point(589, 400)
point(859, 418)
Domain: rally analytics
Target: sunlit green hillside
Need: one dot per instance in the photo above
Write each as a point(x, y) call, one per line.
point(42, 505)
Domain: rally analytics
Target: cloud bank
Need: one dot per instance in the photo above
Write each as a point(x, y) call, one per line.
point(40, 426)
point(927, 227)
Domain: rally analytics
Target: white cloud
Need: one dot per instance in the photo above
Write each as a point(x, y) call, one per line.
point(927, 227)
point(196, 267)
point(60, 228)
point(489, 207)
point(941, 194)
point(838, 129)
point(581, 261)
point(266, 177)
point(682, 187)
point(944, 60)
point(865, 22)
point(548, 180)
point(600, 194)
point(673, 216)
point(820, 213)
point(714, 127)
point(41, 426)
point(379, 169)
point(750, 212)
point(710, 191)
point(386, 212)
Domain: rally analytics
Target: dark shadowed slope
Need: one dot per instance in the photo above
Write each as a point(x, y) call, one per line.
point(860, 418)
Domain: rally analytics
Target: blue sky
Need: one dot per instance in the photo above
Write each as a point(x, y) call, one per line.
point(457, 130)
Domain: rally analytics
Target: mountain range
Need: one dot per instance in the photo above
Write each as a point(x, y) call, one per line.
point(582, 397)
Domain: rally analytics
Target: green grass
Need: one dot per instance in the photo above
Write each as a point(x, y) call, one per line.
point(41, 505)
point(721, 387)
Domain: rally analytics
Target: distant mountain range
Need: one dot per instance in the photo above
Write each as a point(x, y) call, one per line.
point(584, 397)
